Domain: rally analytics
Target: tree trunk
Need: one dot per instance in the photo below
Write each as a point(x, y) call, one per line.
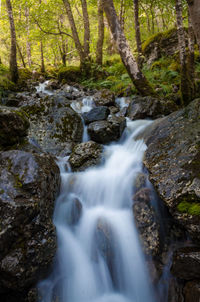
point(86, 28)
point(186, 85)
point(42, 57)
point(13, 51)
point(99, 51)
point(122, 12)
point(191, 57)
point(128, 60)
point(21, 56)
point(74, 31)
point(137, 27)
point(194, 8)
point(28, 44)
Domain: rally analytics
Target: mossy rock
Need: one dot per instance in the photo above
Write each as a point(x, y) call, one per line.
point(70, 74)
point(189, 208)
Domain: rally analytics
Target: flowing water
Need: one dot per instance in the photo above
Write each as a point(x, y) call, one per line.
point(99, 258)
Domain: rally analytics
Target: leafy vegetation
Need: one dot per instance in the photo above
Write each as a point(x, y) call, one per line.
point(189, 208)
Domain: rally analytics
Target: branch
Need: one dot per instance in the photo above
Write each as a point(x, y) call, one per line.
point(52, 33)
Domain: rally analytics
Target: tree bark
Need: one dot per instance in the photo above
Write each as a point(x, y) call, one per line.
point(191, 57)
point(128, 60)
point(137, 27)
point(13, 51)
point(194, 9)
point(99, 50)
point(186, 85)
point(122, 12)
point(42, 57)
point(86, 28)
point(28, 44)
point(21, 56)
point(74, 31)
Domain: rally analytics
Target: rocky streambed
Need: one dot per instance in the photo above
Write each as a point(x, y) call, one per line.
point(37, 127)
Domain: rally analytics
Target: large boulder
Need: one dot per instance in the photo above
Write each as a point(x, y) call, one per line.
point(104, 98)
point(173, 161)
point(85, 155)
point(147, 222)
point(149, 107)
point(104, 132)
point(54, 125)
point(161, 44)
point(186, 263)
point(13, 126)
point(29, 184)
point(96, 114)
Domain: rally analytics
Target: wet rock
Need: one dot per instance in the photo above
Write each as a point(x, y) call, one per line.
point(96, 114)
point(186, 263)
point(13, 126)
point(143, 194)
point(140, 182)
point(74, 210)
point(29, 184)
point(173, 160)
point(104, 98)
point(192, 291)
point(85, 155)
point(149, 107)
point(175, 292)
point(146, 222)
point(107, 131)
point(54, 125)
point(53, 85)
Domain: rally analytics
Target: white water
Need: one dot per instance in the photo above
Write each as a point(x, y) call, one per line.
point(42, 88)
point(99, 259)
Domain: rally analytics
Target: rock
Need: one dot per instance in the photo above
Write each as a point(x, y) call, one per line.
point(175, 291)
point(54, 125)
point(85, 155)
point(104, 132)
point(143, 194)
point(161, 44)
point(173, 161)
point(192, 291)
point(74, 210)
point(148, 227)
point(104, 98)
point(105, 246)
point(96, 114)
point(53, 85)
point(186, 263)
point(29, 184)
point(149, 107)
point(139, 182)
point(13, 126)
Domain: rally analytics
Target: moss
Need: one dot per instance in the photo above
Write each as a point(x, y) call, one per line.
point(189, 208)
point(1, 191)
point(174, 66)
point(70, 73)
point(157, 38)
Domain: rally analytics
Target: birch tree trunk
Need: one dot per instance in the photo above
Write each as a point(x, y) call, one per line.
point(74, 31)
point(194, 8)
point(124, 50)
point(186, 85)
point(99, 50)
point(28, 44)
point(86, 28)
point(13, 50)
point(137, 26)
point(42, 57)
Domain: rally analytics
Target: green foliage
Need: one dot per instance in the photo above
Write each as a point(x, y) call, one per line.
point(189, 208)
point(70, 73)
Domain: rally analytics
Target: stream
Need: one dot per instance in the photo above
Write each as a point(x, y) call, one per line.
point(99, 256)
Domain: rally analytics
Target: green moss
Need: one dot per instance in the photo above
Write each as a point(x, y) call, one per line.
point(157, 38)
point(1, 191)
point(189, 208)
point(70, 73)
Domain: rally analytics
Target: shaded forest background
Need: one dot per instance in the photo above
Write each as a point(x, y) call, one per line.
point(60, 38)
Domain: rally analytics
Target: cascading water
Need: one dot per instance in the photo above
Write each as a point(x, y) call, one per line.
point(99, 258)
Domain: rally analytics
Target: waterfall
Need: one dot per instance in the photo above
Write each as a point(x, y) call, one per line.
point(99, 258)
